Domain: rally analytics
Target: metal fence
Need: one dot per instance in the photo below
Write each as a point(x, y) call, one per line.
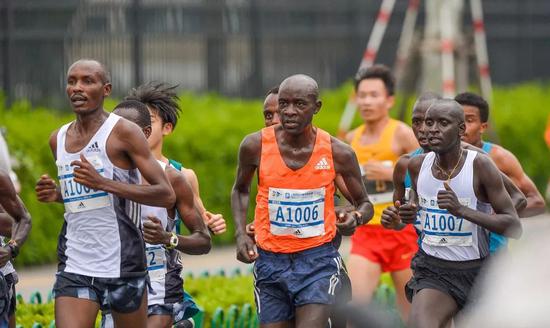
point(235, 47)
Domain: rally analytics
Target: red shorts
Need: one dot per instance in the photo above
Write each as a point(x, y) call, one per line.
point(393, 250)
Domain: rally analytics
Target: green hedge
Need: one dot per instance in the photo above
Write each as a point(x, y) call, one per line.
point(207, 139)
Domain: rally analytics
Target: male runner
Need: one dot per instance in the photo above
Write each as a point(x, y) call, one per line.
point(166, 301)
point(100, 158)
point(456, 189)
point(297, 266)
point(378, 143)
point(401, 176)
point(271, 107)
point(162, 101)
point(476, 111)
point(15, 223)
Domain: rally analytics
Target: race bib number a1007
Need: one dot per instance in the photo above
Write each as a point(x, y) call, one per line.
point(441, 228)
point(297, 212)
point(79, 198)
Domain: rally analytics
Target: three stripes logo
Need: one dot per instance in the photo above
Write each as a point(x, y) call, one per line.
point(94, 148)
point(322, 164)
point(81, 206)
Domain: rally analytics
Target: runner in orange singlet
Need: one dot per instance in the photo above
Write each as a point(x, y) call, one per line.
point(378, 144)
point(297, 269)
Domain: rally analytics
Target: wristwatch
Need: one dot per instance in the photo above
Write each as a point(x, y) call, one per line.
point(174, 240)
point(14, 248)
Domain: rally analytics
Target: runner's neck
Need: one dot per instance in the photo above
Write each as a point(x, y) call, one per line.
point(90, 122)
point(376, 128)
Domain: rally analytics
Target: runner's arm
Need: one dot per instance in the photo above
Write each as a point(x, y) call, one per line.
point(6, 224)
point(505, 221)
point(509, 165)
point(198, 242)
point(132, 140)
point(13, 206)
point(249, 157)
point(518, 198)
point(215, 222)
point(399, 172)
point(346, 165)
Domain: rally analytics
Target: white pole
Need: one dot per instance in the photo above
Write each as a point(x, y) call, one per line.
point(447, 49)
point(481, 50)
point(405, 40)
point(369, 56)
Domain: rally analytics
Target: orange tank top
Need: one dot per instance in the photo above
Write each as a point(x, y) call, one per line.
point(295, 208)
point(380, 192)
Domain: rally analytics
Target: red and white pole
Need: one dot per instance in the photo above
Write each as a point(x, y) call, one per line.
point(405, 41)
point(447, 50)
point(480, 42)
point(377, 33)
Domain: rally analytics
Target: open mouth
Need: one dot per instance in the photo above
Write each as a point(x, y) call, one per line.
point(78, 100)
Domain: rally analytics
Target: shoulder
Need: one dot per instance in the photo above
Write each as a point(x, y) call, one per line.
point(466, 145)
point(190, 175)
point(341, 151)
point(124, 127)
point(53, 140)
point(252, 142)
point(501, 154)
point(6, 185)
point(350, 135)
point(402, 128)
point(415, 163)
point(484, 162)
point(175, 177)
point(403, 162)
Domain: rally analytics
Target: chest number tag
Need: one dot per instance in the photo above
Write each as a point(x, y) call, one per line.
point(156, 262)
point(297, 212)
point(441, 228)
point(79, 198)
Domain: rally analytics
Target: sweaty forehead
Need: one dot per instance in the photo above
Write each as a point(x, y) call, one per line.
point(88, 67)
point(298, 87)
point(445, 111)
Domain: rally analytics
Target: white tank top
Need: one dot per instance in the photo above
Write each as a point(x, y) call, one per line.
point(163, 265)
point(101, 236)
point(444, 235)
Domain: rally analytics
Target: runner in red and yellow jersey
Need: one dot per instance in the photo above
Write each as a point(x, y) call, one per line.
point(378, 144)
point(297, 266)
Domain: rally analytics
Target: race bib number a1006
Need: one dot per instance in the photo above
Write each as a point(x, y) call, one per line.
point(79, 198)
point(297, 212)
point(441, 228)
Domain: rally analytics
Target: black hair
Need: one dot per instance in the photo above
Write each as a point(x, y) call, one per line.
point(273, 91)
point(471, 99)
point(161, 98)
point(381, 72)
point(142, 118)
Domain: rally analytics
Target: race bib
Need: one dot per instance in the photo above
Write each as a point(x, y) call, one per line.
point(156, 262)
point(441, 228)
point(79, 198)
point(297, 212)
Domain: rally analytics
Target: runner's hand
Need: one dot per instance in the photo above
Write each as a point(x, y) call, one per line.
point(86, 174)
point(346, 222)
point(5, 255)
point(215, 222)
point(251, 230)
point(390, 216)
point(154, 233)
point(246, 249)
point(407, 211)
point(46, 189)
point(447, 200)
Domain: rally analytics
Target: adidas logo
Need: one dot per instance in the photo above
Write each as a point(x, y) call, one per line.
point(94, 148)
point(81, 206)
point(322, 164)
point(443, 241)
point(297, 232)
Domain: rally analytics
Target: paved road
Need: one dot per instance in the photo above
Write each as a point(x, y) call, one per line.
point(42, 278)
